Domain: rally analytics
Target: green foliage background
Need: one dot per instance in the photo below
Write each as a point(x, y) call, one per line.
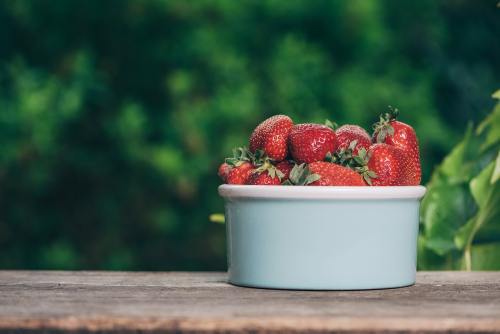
point(114, 115)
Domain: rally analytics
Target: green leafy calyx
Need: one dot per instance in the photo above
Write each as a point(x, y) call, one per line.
point(271, 170)
point(332, 125)
point(383, 127)
point(243, 154)
point(301, 175)
point(357, 162)
point(361, 159)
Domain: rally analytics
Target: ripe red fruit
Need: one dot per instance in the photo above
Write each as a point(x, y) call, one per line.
point(390, 164)
point(285, 167)
point(334, 175)
point(240, 174)
point(392, 132)
point(263, 179)
point(349, 133)
point(311, 142)
point(224, 170)
point(272, 137)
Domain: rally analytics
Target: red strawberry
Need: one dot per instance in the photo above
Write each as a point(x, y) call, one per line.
point(224, 170)
point(240, 173)
point(285, 167)
point(400, 135)
point(272, 137)
point(349, 133)
point(311, 142)
point(269, 174)
point(263, 179)
point(334, 175)
point(390, 164)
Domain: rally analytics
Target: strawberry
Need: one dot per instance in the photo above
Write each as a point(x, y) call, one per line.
point(392, 132)
point(390, 165)
point(268, 174)
point(334, 175)
point(234, 169)
point(311, 142)
point(224, 170)
point(271, 136)
point(240, 173)
point(263, 179)
point(349, 133)
point(284, 167)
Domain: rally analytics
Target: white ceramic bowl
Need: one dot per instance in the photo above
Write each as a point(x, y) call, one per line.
point(322, 238)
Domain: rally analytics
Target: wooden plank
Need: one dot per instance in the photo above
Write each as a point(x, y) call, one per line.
point(203, 302)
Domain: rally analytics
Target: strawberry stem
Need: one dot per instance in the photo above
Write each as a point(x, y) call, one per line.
point(383, 127)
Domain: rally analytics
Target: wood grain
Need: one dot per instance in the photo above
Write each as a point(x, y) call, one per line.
point(56, 301)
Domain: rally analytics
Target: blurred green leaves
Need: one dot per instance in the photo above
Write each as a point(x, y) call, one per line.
point(461, 213)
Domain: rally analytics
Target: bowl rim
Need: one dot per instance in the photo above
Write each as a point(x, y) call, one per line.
point(325, 192)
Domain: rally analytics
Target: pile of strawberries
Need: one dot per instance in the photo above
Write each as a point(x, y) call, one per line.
point(281, 153)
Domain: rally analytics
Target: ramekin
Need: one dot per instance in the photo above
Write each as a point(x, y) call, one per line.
point(321, 238)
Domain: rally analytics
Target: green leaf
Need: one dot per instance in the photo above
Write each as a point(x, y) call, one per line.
point(359, 160)
point(486, 256)
point(329, 157)
point(496, 172)
point(362, 153)
point(464, 233)
point(312, 178)
point(456, 166)
point(480, 186)
point(445, 209)
point(429, 260)
point(295, 173)
point(487, 197)
point(496, 95)
point(490, 127)
point(331, 125)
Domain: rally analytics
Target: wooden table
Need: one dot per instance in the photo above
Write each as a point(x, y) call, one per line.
point(64, 301)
